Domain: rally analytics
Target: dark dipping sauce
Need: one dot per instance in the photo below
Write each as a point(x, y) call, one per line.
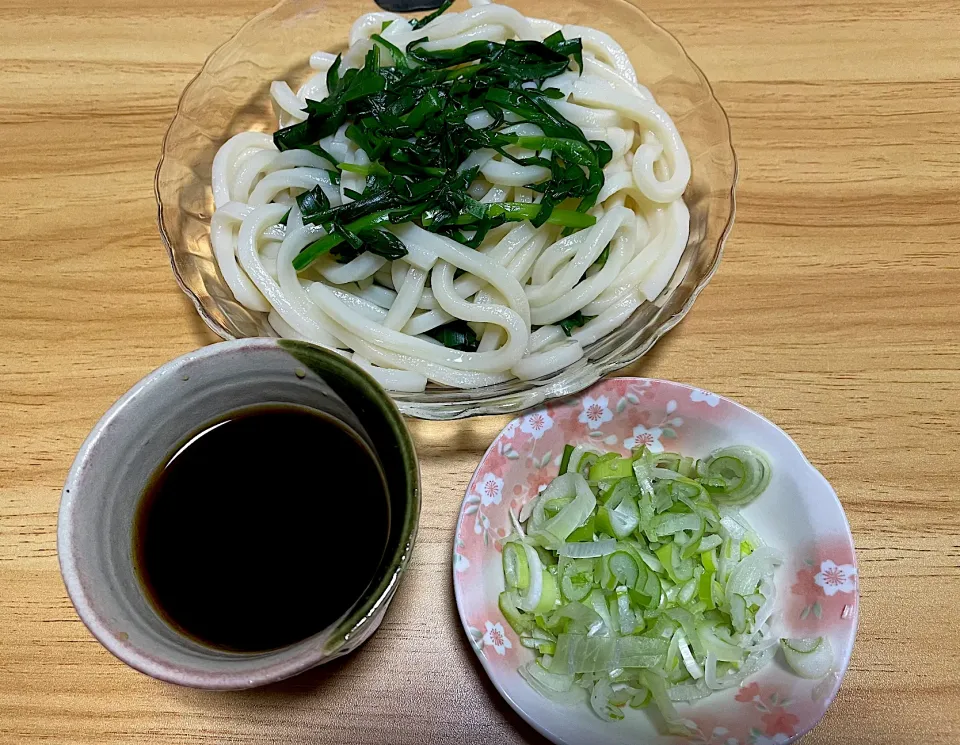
point(263, 529)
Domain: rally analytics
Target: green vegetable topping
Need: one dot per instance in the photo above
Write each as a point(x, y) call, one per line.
point(456, 335)
point(575, 321)
point(421, 22)
point(407, 109)
point(647, 591)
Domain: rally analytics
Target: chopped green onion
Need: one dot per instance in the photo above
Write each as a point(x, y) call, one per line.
point(624, 568)
point(576, 581)
point(514, 616)
point(636, 589)
point(737, 475)
point(641, 699)
point(626, 613)
point(705, 590)
point(587, 549)
point(516, 571)
point(579, 653)
point(559, 688)
point(808, 658)
point(556, 529)
point(530, 597)
point(709, 543)
point(619, 521)
point(548, 593)
point(615, 468)
point(666, 555)
point(586, 532)
point(565, 459)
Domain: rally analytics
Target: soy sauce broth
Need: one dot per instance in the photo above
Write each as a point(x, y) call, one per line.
point(262, 529)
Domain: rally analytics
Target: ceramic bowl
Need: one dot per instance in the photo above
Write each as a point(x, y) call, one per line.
point(104, 486)
point(799, 514)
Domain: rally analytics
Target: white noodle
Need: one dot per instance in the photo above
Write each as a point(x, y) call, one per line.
point(519, 277)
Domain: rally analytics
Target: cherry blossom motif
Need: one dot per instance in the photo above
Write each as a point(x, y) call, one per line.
point(763, 712)
point(536, 424)
point(481, 523)
point(536, 482)
point(490, 489)
point(595, 412)
point(777, 739)
point(748, 693)
point(511, 428)
point(833, 578)
point(719, 736)
point(778, 721)
point(643, 436)
point(710, 399)
point(496, 638)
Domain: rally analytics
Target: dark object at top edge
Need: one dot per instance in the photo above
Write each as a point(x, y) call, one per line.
point(408, 6)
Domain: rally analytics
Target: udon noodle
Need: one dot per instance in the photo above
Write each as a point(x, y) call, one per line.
point(516, 287)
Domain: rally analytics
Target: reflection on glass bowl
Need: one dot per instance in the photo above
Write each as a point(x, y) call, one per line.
point(231, 95)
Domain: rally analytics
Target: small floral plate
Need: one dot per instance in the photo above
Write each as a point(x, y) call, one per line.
point(799, 514)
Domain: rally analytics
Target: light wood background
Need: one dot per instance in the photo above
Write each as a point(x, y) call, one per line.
point(835, 313)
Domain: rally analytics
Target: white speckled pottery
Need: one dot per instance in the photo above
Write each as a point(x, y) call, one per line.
point(95, 540)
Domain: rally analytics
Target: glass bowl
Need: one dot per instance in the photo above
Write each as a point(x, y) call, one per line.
point(231, 95)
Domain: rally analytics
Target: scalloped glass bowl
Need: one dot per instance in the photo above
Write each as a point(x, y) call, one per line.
point(231, 95)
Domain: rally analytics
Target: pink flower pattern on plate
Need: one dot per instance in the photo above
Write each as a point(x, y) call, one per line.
point(777, 721)
point(536, 424)
point(748, 693)
point(643, 436)
point(496, 637)
point(710, 399)
point(817, 581)
point(490, 489)
point(596, 411)
point(824, 591)
point(834, 579)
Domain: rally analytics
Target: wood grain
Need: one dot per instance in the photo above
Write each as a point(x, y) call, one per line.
point(835, 313)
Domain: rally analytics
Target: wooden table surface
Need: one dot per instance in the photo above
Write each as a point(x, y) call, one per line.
point(834, 313)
